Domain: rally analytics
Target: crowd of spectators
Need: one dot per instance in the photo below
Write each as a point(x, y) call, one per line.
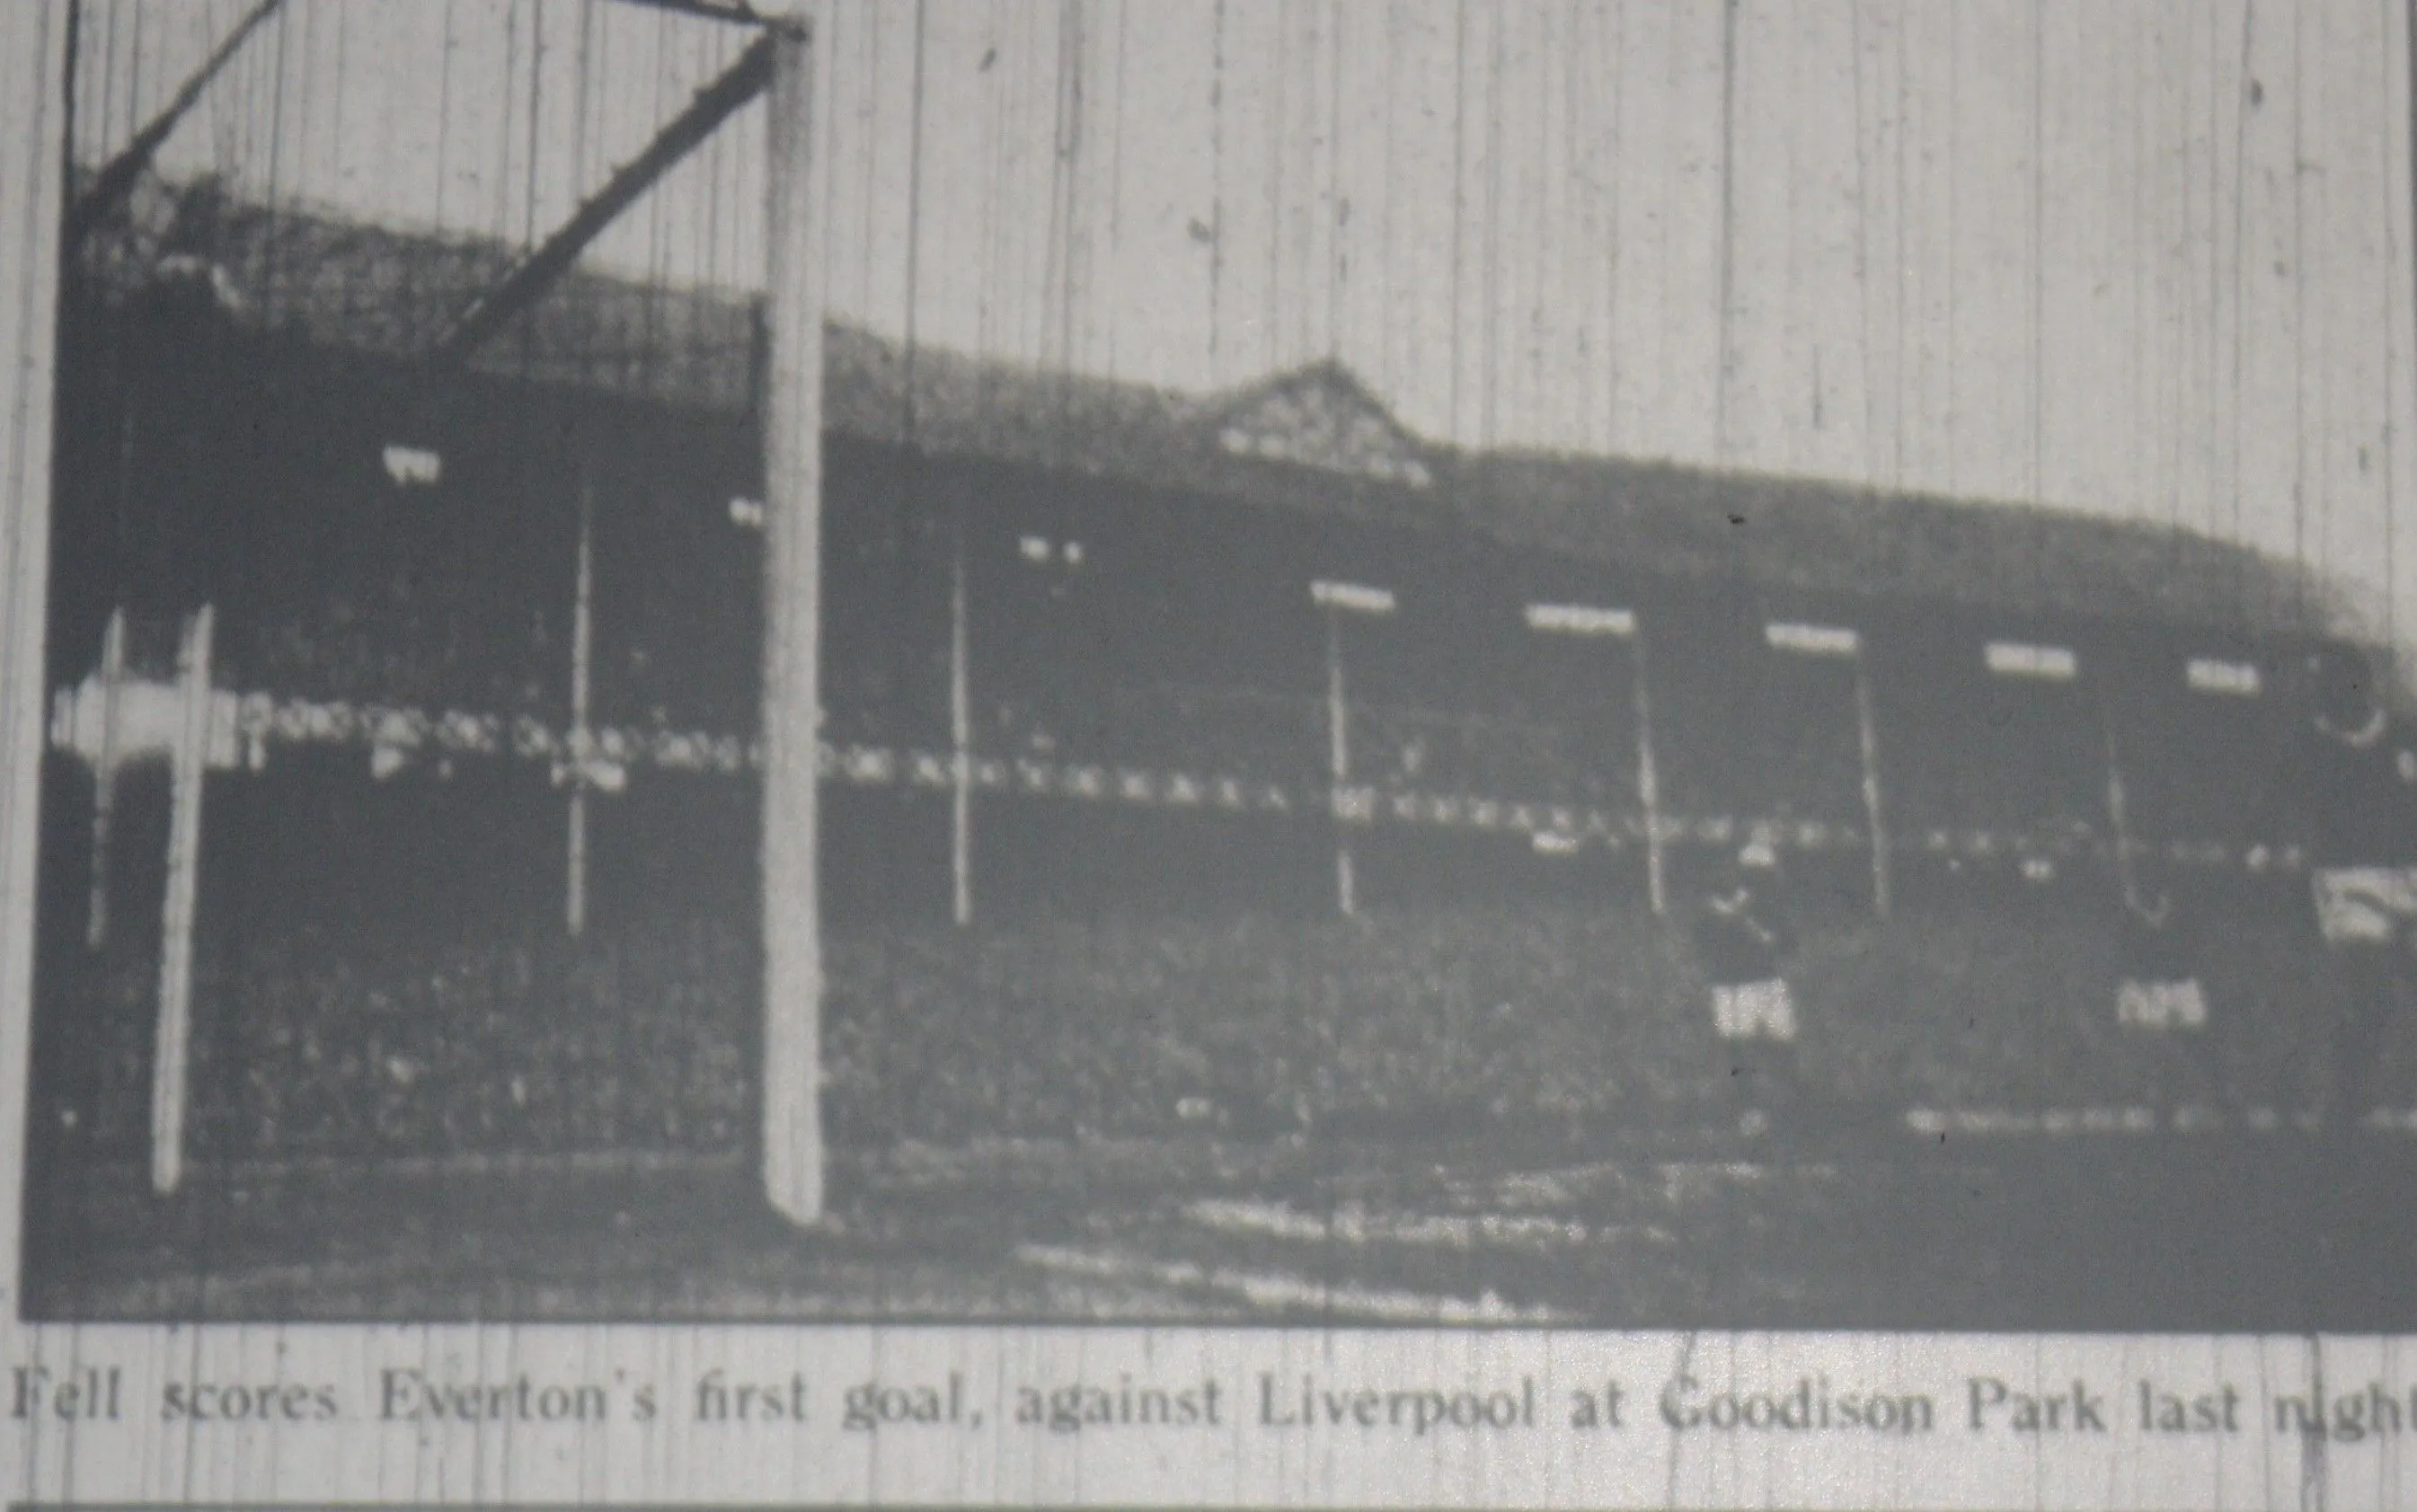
point(1563, 1015)
point(449, 583)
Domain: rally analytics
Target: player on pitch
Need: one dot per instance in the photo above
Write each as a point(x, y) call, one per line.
point(2357, 779)
point(1742, 936)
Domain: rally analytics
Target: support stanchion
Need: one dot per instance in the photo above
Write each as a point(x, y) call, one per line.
point(1338, 757)
point(1875, 810)
point(1648, 778)
point(961, 736)
point(2119, 808)
point(1338, 599)
point(104, 779)
point(583, 634)
point(1601, 623)
point(172, 1043)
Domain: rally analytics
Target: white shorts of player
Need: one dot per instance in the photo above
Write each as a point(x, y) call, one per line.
point(2161, 1004)
point(1754, 1011)
point(2365, 906)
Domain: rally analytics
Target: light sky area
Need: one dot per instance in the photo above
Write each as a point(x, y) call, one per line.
point(2149, 258)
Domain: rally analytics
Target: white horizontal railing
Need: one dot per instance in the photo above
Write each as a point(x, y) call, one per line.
point(244, 728)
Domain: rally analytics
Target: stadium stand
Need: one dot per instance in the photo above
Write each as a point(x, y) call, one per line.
point(1150, 689)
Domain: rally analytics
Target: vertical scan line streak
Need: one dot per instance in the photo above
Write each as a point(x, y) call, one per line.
point(2241, 325)
point(1614, 225)
point(1862, 238)
point(1726, 358)
point(2393, 224)
point(1490, 360)
point(1795, 333)
point(2178, 286)
point(1066, 197)
point(2299, 329)
point(501, 209)
point(1904, 214)
point(1954, 262)
point(1338, 219)
point(1216, 189)
point(1551, 240)
point(1278, 112)
point(2039, 271)
point(1389, 375)
point(1459, 206)
point(1116, 182)
point(912, 313)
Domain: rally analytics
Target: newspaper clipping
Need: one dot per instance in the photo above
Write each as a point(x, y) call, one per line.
point(1207, 752)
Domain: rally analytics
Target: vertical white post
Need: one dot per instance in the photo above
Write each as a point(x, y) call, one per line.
point(583, 632)
point(1338, 752)
point(2118, 807)
point(960, 739)
point(1336, 599)
point(188, 769)
point(793, 433)
point(1649, 775)
point(104, 779)
point(1874, 814)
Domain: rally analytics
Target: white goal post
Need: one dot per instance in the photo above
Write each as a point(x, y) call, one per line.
point(790, 1065)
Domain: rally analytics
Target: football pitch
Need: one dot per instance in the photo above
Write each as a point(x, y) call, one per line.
point(2224, 1231)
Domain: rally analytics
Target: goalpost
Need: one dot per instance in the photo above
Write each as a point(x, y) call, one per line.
point(791, 1060)
point(201, 720)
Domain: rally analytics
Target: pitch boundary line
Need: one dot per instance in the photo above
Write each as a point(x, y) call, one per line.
point(2122, 1121)
point(1275, 1292)
point(2136, 1120)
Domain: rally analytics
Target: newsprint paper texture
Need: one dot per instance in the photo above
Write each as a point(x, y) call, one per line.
point(1207, 752)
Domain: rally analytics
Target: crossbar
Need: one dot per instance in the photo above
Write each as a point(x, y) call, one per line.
point(537, 272)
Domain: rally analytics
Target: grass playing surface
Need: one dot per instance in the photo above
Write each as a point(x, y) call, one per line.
point(2231, 1233)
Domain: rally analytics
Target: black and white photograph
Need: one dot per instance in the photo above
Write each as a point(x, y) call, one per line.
point(1585, 663)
